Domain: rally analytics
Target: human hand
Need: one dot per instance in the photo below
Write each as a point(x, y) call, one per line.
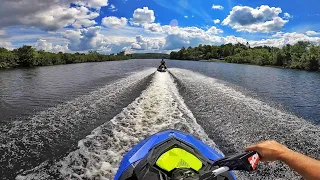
point(269, 150)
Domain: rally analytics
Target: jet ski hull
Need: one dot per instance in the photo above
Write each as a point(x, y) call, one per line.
point(150, 149)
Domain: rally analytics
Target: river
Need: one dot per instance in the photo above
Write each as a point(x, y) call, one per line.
point(76, 121)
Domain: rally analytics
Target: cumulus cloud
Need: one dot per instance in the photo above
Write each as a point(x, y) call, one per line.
point(285, 38)
point(114, 22)
point(142, 16)
point(50, 14)
point(91, 38)
point(166, 39)
point(43, 44)
point(153, 27)
point(190, 36)
point(97, 4)
point(83, 39)
point(214, 30)
point(217, 7)
point(151, 44)
point(312, 33)
point(260, 19)
point(186, 17)
point(216, 21)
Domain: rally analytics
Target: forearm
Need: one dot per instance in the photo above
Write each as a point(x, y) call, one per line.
point(307, 167)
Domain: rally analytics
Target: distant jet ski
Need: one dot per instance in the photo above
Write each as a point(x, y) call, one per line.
point(162, 68)
point(174, 155)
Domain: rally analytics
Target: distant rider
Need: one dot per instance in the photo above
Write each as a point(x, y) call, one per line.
point(162, 64)
point(307, 167)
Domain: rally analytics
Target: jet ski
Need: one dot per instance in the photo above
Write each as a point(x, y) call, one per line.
point(162, 68)
point(175, 155)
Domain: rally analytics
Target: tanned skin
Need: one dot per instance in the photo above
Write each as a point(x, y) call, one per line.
point(307, 167)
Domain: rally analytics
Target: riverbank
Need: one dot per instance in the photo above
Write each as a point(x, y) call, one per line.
point(223, 61)
point(26, 56)
point(212, 60)
point(302, 55)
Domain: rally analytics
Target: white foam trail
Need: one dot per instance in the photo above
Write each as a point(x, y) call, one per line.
point(240, 120)
point(159, 107)
point(28, 139)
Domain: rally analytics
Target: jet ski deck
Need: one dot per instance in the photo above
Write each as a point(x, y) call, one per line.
point(174, 155)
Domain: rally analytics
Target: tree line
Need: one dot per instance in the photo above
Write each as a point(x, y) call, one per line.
point(26, 56)
point(302, 55)
point(149, 56)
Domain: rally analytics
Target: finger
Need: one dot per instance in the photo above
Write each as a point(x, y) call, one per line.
point(251, 148)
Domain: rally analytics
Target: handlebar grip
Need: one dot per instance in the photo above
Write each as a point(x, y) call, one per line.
point(253, 159)
point(246, 161)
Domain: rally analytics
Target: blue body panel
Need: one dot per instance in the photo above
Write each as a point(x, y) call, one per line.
point(140, 150)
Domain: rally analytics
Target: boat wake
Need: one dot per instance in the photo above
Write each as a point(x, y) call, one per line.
point(98, 156)
point(50, 134)
point(234, 120)
point(221, 117)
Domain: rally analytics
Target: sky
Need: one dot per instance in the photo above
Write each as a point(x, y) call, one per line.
point(162, 26)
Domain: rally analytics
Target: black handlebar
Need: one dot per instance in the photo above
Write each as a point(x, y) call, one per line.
point(246, 161)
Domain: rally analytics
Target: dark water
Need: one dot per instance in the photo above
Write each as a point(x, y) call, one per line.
point(298, 91)
point(26, 91)
point(46, 111)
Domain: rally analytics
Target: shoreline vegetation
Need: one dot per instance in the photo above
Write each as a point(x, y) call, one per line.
point(302, 55)
point(26, 56)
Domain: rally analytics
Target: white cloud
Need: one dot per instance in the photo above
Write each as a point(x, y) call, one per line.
point(4, 44)
point(287, 16)
point(261, 19)
point(285, 38)
point(153, 27)
point(167, 38)
point(113, 8)
point(151, 44)
point(146, 36)
point(312, 33)
point(50, 14)
point(97, 4)
point(214, 30)
point(92, 38)
point(83, 39)
point(217, 7)
point(43, 44)
point(189, 36)
point(216, 21)
point(114, 22)
point(186, 17)
point(142, 16)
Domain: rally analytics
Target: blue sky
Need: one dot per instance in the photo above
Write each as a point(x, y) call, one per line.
point(110, 26)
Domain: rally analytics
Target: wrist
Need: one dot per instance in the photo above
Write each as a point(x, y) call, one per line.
point(285, 154)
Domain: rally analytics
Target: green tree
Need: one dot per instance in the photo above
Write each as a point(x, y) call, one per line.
point(26, 55)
